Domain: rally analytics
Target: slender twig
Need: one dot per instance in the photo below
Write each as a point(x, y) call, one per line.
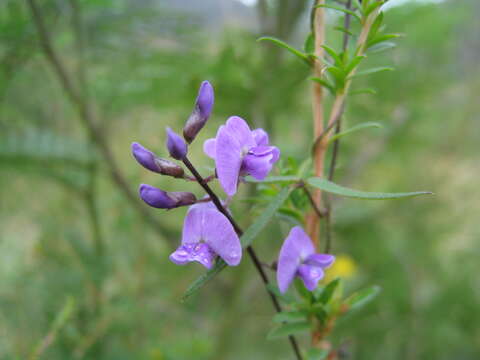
point(250, 250)
point(318, 29)
point(315, 208)
point(89, 121)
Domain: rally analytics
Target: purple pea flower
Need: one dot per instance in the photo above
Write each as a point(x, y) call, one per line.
point(206, 234)
point(150, 161)
point(165, 200)
point(175, 145)
point(239, 151)
point(298, 258)
point(201, 112)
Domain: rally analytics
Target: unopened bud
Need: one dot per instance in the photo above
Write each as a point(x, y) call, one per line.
point(201, 112)
point(165, 200)
point(150, 161)
point(175, 145)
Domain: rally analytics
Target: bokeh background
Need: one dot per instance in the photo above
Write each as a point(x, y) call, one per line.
point(84, 269)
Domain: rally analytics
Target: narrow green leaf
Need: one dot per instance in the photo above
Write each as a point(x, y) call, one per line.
point(358, 5)
point(202, 280)
point(353, 64)
point(370, 8)
point(377, 23)
point(309, 45)
point(333, 54)
point(325, 84)
point(344, 30)
point(387, 45)
point(317, 354)
point(373, 71)
point(287, 299)
point(328, 291)
point(380, 39)
point(338, 75)
point(289, 316)
point(350, 12)
point(274, 180)
point(254, 229)
point(362, 298)
point(288, 329)
point(284, 45)
point(333, 188)
point(365, 125)
point(363, 91)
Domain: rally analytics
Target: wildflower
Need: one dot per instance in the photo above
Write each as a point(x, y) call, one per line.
point(201, 112)
point(165, 200)
point(238, 151)
point(206, 234)
point(298, 258)
point(150, 161)
point(175, 145)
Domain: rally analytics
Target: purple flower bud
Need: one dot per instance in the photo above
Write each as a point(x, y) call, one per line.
point(200, 113)
point(165, 200)
point(175, 145)
point(148, 160)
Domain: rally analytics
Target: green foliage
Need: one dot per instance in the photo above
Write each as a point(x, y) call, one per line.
point(332, 188)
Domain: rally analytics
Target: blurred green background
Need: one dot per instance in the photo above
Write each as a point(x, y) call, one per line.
point(84, 269)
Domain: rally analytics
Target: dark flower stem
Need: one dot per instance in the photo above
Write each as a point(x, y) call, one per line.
point(250, 250)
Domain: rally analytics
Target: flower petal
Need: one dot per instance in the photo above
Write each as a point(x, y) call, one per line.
point(310, 275)
point(220, 235)
point(320, 260)
point(209, 147)
point(257, 166)
point(193, 225)
point(228, 160)
point(260, 136)
point(200, 252)
point(238, 128)
point(296, 247)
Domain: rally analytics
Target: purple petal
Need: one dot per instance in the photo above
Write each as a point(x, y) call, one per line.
point(310, 275)
point(175, 145)
point(200, 252)
point(145, 157)
point(276, 154)
point(193, 225)
point(261, 137)
point(296, 247)
point(221, 236)
point(239, 130)
point(320, 260)
point(156, 197)
point(228, 160)
point(257, 166)
point(209, 147)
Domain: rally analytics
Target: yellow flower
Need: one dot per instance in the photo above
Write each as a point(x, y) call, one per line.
point(343, 267)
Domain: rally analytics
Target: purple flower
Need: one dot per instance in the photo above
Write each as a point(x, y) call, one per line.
point(175, 145)
point(165, 200)
point(239, 151)
point(298, 258)
point(206, 234)
point(150, 161)
point(201, 112)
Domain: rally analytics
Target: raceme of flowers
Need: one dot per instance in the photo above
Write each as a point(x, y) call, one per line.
point(207, 233)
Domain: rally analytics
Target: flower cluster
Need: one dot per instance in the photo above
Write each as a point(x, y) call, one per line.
point(208, 232)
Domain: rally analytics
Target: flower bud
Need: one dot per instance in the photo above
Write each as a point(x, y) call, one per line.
point(175, 145)
point(165, 200)
point(148, 160)
point(201, 112)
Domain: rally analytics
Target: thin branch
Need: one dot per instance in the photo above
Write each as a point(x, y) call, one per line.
point(318, 29)
point(88, 119)
point(250, 250)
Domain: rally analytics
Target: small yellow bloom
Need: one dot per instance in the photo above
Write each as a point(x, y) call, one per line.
point(343, 267)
